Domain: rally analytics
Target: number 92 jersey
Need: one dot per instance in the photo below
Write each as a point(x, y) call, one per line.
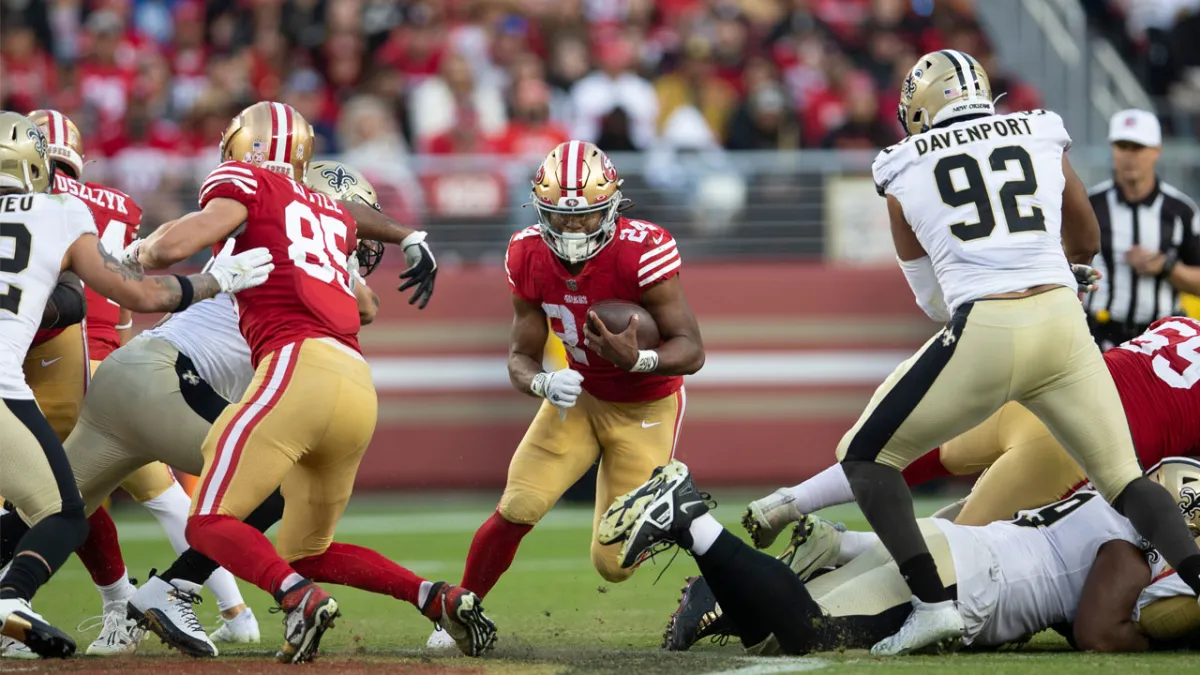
point(639, 256)
point(310, 237)
point(984, 198)
point(35, 232)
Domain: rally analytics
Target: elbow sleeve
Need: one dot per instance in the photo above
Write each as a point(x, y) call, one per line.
point(925, 288)
point(66, 306)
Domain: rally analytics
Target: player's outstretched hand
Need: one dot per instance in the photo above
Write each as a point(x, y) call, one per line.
point(619, 348)
point(561, 387)
point(422, 269)
point(238, 272)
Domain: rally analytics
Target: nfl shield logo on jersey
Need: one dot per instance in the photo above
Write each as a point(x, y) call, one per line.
point(572, 285)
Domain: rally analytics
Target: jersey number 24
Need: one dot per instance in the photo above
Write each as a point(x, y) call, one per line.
point(976, 192)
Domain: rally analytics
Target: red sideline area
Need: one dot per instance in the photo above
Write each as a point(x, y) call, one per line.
point(794, 352)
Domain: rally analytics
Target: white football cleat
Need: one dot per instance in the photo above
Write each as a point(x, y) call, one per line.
point(118, 634)
point(241, 629)
point(166, 609)
point(765, 519)
point(11, 649)
point(815, 543)
point(441, 640)
point(937, 624)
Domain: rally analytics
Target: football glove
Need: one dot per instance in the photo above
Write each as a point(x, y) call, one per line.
point(1086, 276)
point(129, 257)
point(238, 272)
point(422, 269)
point(561, 387)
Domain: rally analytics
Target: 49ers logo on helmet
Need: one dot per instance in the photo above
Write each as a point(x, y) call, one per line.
point(606, 165)
point(540, 175)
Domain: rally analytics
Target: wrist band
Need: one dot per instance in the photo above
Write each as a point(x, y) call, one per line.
point(186, 292)
point(647, 361)
point(538, 386)
point(123, 326)
point(1172, 257)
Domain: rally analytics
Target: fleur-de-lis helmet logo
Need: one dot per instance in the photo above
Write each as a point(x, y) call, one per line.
point(339, 179)
point(39, 140)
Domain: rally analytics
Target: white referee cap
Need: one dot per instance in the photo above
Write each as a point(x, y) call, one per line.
point(1135, 126)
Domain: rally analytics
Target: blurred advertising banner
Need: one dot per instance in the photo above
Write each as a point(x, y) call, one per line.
point(858, 229)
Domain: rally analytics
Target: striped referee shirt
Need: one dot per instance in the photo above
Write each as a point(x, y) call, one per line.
point(1165, 220)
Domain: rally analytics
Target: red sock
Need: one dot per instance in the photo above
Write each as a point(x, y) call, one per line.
point(926, 468)
point(239, 548)
point(492, 552)
point(100, 553)
point(362, 568)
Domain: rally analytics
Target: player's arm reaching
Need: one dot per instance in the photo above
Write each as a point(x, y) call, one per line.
point(915, 262)
point(67, 304)
point(422, 268)
point(527, 340)
point(1080, 229)
point(1104, 620)
point(132, 288)
point(179, 239)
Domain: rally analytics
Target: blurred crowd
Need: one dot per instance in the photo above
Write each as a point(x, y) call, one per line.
point(153, 82)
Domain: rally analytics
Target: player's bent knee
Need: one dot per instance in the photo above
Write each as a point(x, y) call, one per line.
point(607, 561)
point(72, 526)
point(309, 548)
point(520, 507)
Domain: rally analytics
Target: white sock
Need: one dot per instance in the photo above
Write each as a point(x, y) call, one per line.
point(171, 510)
point(290, 581)
point(855, 544)
point(423, 593)
point(118, 590)
point(704, 531)
point(828, 488)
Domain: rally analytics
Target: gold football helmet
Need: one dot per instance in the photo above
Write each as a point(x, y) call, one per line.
point(24, 163)
point(577, 178)
point(1181, 477)
point(342, 182)
point(942, 86)
point(63, 141)
point(271, 135)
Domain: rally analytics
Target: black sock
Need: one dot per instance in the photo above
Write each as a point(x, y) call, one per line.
point(193, 566)
point(1153, 511)
point(887, 505)
point(760, 595)
point(52, 540)
point(12, 528)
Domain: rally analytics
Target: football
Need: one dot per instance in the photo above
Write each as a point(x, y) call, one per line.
point(616, 314)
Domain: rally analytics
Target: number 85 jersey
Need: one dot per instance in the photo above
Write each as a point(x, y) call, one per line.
point(310, 237)
point(984, 198)
point(639, 256)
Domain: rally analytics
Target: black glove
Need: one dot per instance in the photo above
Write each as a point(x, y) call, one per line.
point(1086, 276)
point(422, 269)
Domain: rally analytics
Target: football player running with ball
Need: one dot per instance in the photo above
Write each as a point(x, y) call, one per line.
point(982, 207)
point(615, 402)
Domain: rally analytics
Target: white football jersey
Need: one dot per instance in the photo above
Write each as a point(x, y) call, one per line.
point(35, 232)
point(984, 197)
point(1038, 565)
point(208, 334)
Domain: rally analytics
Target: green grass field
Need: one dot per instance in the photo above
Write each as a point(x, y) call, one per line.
point(553, 612)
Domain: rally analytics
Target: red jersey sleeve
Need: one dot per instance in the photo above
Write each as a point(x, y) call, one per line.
point(232, 180)
point(516, 263)
point(654, 256)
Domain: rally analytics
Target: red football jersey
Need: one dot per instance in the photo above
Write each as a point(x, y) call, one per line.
point(117, 219)
point(310, 238)
point(1157, 375)
point(639, 256)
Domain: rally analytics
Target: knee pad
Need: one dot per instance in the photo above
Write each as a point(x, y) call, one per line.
point(521, 507)
point(607, 561)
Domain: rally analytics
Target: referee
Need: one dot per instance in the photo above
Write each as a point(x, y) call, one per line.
point(1149, 236)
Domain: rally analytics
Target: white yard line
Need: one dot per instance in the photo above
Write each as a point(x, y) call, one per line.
point(770, 666)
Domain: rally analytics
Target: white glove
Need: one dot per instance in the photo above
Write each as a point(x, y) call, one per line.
point(238, 272)
point(129, 257)
point(422, 269)
point(352, 267)
point(561, 387)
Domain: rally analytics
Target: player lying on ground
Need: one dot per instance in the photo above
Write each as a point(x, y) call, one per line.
point(308, 416)
point(621, 400)
point(50, 234)
point(53, 370)
point(1012, 579)
point(986, 214)
point(1024, 466)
